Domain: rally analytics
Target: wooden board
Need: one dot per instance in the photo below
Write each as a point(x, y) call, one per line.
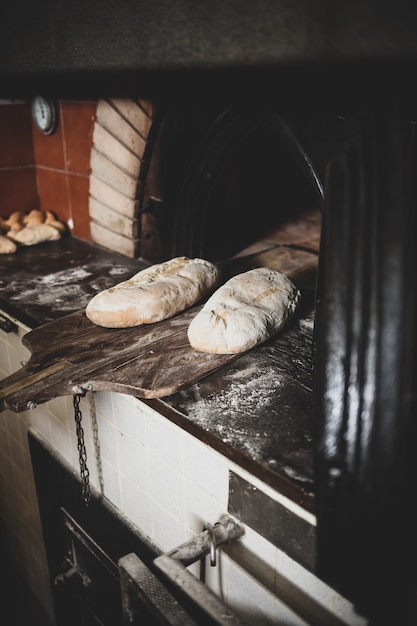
point(150, 361)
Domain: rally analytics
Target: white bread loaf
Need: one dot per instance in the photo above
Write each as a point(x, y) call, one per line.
point(34, 217)
point(244, 312)
point(7, 246)
point(35, 233)
point(153, 294)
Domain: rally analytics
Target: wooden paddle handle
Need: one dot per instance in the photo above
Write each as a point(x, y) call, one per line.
point(31, 379)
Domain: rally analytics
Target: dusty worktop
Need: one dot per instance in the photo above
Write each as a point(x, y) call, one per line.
point(256, 410)
point(42, 283)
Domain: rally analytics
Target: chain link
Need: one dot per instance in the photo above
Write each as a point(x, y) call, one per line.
point(82, 452)
point(96, 440)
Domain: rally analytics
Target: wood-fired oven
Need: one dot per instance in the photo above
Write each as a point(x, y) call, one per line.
point(271, 133)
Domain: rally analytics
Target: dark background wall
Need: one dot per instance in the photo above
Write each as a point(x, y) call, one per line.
point(73, 45)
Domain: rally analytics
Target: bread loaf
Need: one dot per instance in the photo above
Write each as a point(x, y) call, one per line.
point(52, 219)
point(33, 234)
point(244, 312)
point(34, 217)
point(153, 294)
point(15, 221)
point(7, 246)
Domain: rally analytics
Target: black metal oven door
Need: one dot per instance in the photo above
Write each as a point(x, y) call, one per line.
point(365, 363)
point(86, 590)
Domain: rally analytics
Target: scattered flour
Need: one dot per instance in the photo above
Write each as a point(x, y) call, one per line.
point(64, 277)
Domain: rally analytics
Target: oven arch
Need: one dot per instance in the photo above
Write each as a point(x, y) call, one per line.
point(118, 164)
point(132, 208)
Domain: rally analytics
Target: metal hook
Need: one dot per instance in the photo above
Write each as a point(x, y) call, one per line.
point(81, 390)
point(213, 544)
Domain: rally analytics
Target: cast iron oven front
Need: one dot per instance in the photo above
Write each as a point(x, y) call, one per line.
point(365, 370)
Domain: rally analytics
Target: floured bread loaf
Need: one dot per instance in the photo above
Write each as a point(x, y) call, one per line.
point(35, 233)
point(7, 246)
point(247, 310)
point(153, 294)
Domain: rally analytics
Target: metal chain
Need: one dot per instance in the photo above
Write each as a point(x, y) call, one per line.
point(82, 452)
point(96, 440)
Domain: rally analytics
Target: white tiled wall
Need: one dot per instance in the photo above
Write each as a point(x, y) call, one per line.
point(169, 484)
point(20, 524)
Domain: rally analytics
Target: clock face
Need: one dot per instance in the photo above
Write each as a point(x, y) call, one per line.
point(44, 116)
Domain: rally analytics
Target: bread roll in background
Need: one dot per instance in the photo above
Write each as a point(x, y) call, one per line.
point(7, 246)
point(31, 228)
point(34, 234)
point(15, 221)
point(34, 217)
point(154, 294)
point(52, 219)
point(244, 312)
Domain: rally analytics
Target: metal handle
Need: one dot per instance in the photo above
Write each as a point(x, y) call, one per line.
point(213, 544)
point(227, 529)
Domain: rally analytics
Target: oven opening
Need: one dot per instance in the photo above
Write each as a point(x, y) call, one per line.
point(221, 178)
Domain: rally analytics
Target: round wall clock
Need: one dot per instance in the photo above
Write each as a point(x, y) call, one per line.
point(44, 114)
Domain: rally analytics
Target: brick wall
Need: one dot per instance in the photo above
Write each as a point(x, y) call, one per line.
point(118, 171)
point(89, 172)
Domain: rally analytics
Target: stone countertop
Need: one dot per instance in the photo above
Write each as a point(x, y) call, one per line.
point(42, 283)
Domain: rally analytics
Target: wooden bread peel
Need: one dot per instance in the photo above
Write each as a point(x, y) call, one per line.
point(149, 361)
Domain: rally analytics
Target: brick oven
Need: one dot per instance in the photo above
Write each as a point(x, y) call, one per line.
point(274, 134)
